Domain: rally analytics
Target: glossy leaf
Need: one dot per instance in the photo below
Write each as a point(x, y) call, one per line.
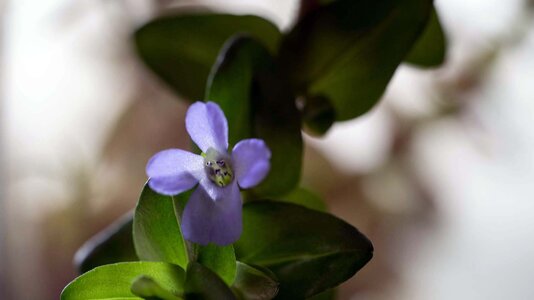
point(431, 47)
point(181, 49)
point(114, 281)
point(254, 283)
point(147, 288)
point(306, 198)
point(220, 260)
point(347, 51)
point(202, 283)
point(112, 245)
point(307, 250)
point(259, 103)
point(156, 233)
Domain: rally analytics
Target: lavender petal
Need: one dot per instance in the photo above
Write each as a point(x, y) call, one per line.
point(251, 162)
point(207, 126)
point(219, 221)
point(173, 171)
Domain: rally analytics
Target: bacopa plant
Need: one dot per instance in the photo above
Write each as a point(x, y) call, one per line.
point(195, 232)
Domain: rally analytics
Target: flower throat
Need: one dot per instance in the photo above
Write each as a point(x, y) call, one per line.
point(218, 168)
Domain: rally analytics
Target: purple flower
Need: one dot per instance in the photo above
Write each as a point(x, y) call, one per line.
point(213, 213)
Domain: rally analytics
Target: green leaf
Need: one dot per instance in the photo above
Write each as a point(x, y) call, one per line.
point(254, 283)
point(306, 198)
point(156, 231)
point(258, 102)
point(146, 288)
point(181, 49)
point(307, 250)
point(114, 281)
point(113, 244)
point(347, 51)
point(318, 114)
point(202, 283)
point(220, 260)
point(326, 295)
point(431, 47)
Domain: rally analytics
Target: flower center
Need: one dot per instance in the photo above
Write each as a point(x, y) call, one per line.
point(218, 167)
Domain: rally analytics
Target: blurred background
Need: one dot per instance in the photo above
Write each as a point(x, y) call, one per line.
point(440, 175)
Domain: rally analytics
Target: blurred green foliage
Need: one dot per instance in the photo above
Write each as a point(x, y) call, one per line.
point(182, 49)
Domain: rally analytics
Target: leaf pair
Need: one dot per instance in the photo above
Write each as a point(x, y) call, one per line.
point(157, 280)
point(286, 250)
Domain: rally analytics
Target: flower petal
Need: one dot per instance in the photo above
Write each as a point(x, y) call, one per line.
point(250, 160)
point(206, 220)
point(207, 126)
point(210, 188)
point(173, 171)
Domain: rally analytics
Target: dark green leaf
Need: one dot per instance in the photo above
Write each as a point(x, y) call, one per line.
point(182, 49)
point(317, 114)
point(326, 295)
point(430, 49)
point(113, 244)
point(306, 198)
point(156, 232)
point(202, 283)
point(348, 50)
point(254, 283)
point(146, 288)
point(114, 281)
point(258, 103)
point(307, 250)
point(220, 260)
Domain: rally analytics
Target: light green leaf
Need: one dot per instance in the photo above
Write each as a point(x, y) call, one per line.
point(220, 260)
point(181, 49)
point(114, 281)
point(146, 288)
point(112, 245)
point(156, 231)
point(254, 283)
point(431, 47)
point(202, 283)
point(308, 251)
point(258, 102)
